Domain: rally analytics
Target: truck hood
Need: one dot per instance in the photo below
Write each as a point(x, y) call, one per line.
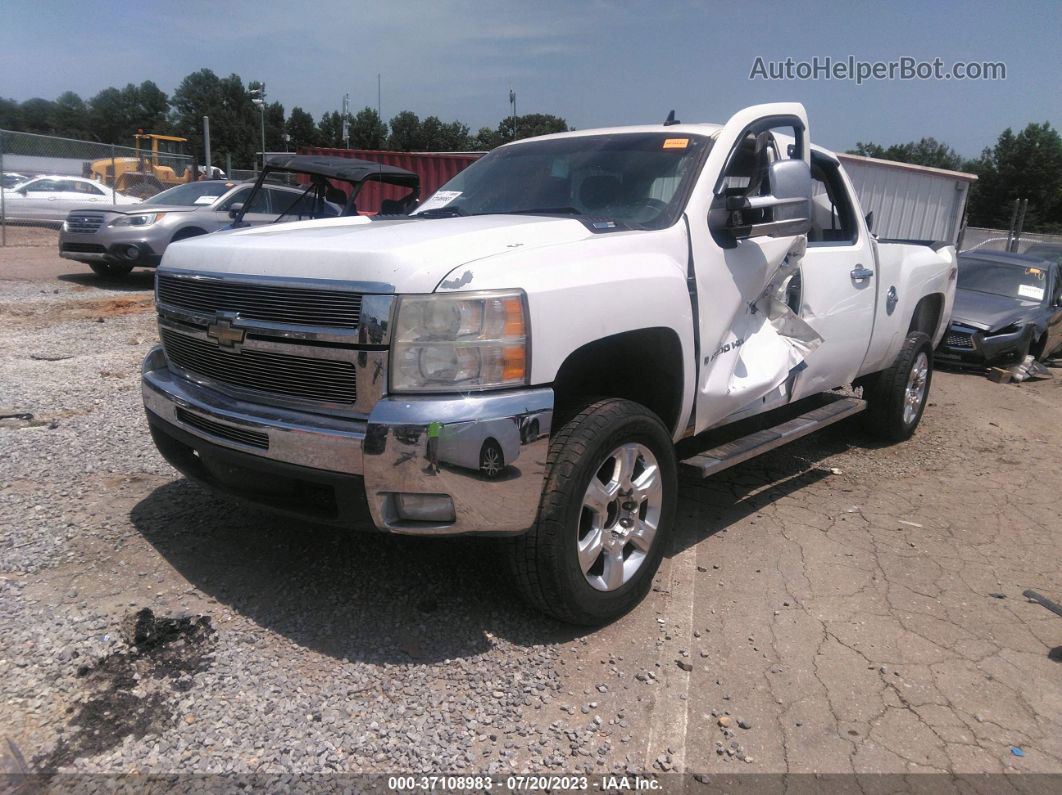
point(990, 312)
point(403, 256)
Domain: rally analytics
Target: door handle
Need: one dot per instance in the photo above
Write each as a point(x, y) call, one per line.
point(859, 273)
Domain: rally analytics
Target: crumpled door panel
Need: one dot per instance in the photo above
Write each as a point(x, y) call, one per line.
point(767, 342)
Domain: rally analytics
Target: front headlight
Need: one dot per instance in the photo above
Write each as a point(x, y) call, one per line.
point(452, 342)
point(1013, 328)
point(144, 219)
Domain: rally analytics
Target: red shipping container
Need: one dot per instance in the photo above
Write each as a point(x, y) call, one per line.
point(433, 168)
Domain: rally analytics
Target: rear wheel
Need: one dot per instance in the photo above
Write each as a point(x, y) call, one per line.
point(897, 397)
point(606, 515)
point(109, 270)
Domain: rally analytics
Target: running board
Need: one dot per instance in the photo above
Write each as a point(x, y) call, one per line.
point(726, 455)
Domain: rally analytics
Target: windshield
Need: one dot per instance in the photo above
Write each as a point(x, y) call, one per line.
point(1052, 253)
point(186, 195)
point(996, 278)
point(637, 180)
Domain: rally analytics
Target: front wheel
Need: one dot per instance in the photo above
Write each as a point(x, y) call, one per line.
point(605, 518)
point(897, 397)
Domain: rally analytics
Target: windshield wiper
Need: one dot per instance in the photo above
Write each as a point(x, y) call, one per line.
point(440, 212)
point(546, 211)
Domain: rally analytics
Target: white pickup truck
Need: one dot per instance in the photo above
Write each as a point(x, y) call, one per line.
point(533, 352)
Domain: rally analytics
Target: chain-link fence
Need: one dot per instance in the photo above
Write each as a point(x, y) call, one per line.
point(998, 240)
point(45, 177)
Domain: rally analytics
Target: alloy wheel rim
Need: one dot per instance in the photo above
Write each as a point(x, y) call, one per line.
point(491, 463)
point(915, 392)
point(619, 516)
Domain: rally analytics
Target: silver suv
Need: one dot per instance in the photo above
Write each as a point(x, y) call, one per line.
point(114, 240)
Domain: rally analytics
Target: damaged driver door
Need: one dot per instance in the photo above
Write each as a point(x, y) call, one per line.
point(749, 220)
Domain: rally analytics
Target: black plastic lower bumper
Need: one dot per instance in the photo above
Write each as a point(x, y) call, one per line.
point(975, 348)
point(313, 494)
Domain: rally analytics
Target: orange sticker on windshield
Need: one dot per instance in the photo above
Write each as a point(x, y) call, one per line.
point(676, 143)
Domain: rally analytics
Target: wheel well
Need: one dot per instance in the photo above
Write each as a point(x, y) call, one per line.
point(644, 366)
point(1039, 342)
point(191, 231)
point(926, 317)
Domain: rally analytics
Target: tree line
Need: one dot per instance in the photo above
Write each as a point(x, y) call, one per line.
point(1020, 165)
point(114, 115)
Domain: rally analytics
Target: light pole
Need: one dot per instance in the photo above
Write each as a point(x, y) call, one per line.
point(346, 120)
point(258, 97)
point(512, 101)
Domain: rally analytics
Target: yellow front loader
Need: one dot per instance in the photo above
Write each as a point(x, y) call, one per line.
point(160, 162)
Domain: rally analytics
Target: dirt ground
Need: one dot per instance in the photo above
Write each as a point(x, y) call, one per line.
point(858, 607)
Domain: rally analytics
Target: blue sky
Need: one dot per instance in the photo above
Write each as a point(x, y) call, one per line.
point(596, 63)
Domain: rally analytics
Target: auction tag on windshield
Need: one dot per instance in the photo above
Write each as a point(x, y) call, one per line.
point(1029, 291)
point(676, 143)
point(440, 198)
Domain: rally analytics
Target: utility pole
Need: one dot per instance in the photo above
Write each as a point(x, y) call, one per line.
point(258, 97)
point(206, 146)
point(346, 120)
point(379, 94)
point(512, 101)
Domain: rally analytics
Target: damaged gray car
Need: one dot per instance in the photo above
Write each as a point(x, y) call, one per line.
point(1007, 307)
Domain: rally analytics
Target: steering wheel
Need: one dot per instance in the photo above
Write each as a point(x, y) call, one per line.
point(639, 206)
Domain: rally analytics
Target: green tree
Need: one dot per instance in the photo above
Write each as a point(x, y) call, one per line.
point(439, 136)
point(330, 130)
point(301, 128)
point(486, 139)
point(924, 152)
point(367, 130)
point(37, 115)
point(234, 120)
point(532, 124)
point(405, 132)
point(10, 114)
point(70, 118)
point(274, 120)
point(1026, 165)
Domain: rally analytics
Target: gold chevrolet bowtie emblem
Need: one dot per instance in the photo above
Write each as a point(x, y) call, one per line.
point(222, 332)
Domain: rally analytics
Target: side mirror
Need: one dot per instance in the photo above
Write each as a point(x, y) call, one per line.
point(22, 191)
point(235, 209)
point(785, 211)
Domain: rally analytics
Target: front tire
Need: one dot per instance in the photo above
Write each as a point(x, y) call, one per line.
point(896, 398)
point(110, 270)
point(606, 515)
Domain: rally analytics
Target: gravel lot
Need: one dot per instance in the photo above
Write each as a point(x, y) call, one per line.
point(832, 607)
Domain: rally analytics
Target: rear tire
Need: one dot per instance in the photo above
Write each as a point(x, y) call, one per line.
point(896, 398)
point(554, 564)
point(109, 270)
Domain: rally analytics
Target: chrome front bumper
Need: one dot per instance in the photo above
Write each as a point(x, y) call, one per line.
point(406, 446)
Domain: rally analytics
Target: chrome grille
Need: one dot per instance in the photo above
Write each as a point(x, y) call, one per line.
point(959, 339)
point(250, 438)
point(277, 304)
point(282, 374)
point(84, 223)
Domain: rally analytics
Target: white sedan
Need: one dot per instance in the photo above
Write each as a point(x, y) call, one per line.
point(49, 199)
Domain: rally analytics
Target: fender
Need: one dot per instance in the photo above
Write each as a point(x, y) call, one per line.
point(580, 292)
point(914, 271)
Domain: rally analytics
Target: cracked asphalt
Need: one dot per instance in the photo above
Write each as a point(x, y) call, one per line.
point(858, 607)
